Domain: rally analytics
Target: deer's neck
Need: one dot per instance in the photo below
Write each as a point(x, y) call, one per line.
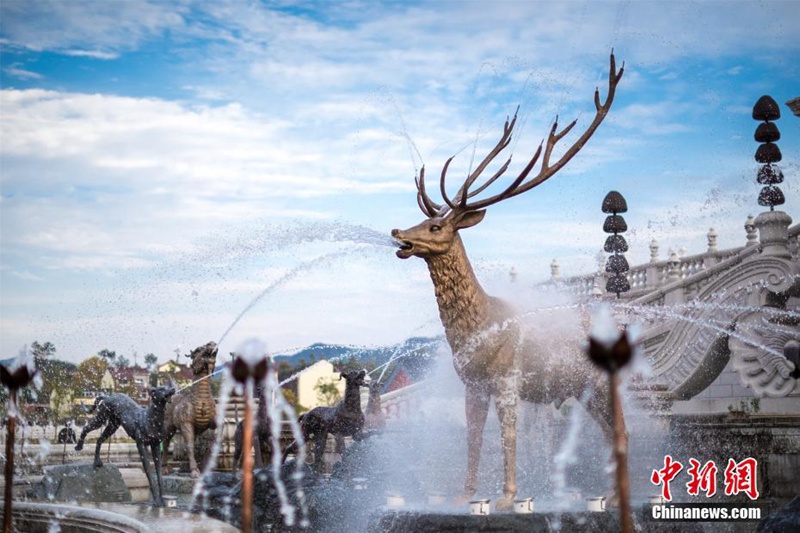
point(374, 403)
point(201, 390)
point(463, 304)
point(352, 399)
point(155, 418)
point(202, 400)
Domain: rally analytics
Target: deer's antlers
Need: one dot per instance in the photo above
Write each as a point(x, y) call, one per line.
point(520, 183)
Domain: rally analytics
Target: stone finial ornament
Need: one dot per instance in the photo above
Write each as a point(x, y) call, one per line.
point(555, 270)
point(617, 265)
point(768, 153)
point(654, 251)
point(712, 240)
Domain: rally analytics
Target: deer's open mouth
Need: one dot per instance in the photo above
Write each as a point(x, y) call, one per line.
point(406, 249)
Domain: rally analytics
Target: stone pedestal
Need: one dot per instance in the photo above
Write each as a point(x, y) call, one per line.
point(774, 441)
point(83, 482)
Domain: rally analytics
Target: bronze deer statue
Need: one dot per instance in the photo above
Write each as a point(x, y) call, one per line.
point(481, 330)
point(193, 412)
point(374, 419)
point(262, 436)
point(144, 425)
point(345, 419)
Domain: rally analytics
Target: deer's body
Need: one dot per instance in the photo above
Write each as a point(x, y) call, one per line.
point(194, 411)
point(489, 353)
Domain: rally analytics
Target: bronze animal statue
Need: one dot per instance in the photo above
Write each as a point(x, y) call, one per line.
point(194, 411)
point(374, 419)
point(143, 425)
point(481, 330)
point(261, 436)
point(344, 419)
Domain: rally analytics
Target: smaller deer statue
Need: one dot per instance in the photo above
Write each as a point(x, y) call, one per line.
point(261, 436)
point(344, 419)
point(374, 419)
point(143, 425)
point(193, 412)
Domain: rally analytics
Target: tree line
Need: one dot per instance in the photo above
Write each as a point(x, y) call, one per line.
point(63, 381)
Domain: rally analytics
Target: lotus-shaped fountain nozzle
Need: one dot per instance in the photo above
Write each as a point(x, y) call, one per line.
point(609, 347)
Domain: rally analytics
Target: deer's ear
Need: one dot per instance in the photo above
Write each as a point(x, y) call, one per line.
point(468, 219)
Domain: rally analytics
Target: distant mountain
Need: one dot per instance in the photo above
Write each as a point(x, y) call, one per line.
point(414, 346)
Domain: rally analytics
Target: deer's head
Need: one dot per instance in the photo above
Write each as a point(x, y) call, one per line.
point(436, 234)
point(204, 358)
point(375, 387)
point(354, 378)
point(161, 395)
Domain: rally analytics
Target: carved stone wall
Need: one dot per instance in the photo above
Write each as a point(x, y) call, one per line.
point(718, 325)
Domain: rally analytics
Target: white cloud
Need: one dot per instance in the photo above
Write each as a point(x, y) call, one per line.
point(17, 72)
point(94, 54)
point(98, 27)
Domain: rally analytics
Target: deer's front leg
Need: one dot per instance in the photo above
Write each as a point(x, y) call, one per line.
point(506, 405)
point(187, 430)
point(477, 407)
point(157, 466)
point(154, 491)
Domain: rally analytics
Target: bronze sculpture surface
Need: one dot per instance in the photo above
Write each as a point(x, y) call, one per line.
point(344, 419)
point(481, 330)
point(143, 425)
point(262, 435)
point(194, 411)
point(374, 419)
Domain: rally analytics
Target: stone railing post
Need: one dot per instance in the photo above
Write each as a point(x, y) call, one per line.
point(555, 270)
point(752, 232)
point(653, 280)
point(773, 229)
point(673, 267)
point(654, 251)
point(711, 258)
point(673, 274)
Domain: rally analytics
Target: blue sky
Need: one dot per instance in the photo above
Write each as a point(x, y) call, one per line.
point(163, 164)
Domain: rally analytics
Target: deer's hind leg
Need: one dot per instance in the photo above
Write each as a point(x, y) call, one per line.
point(599, 408)
point(477, 408)
point(165, 447)
point(187, 430)
point(238, 440)
point(506, 405)
point(93, 424)
point(112, 427)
